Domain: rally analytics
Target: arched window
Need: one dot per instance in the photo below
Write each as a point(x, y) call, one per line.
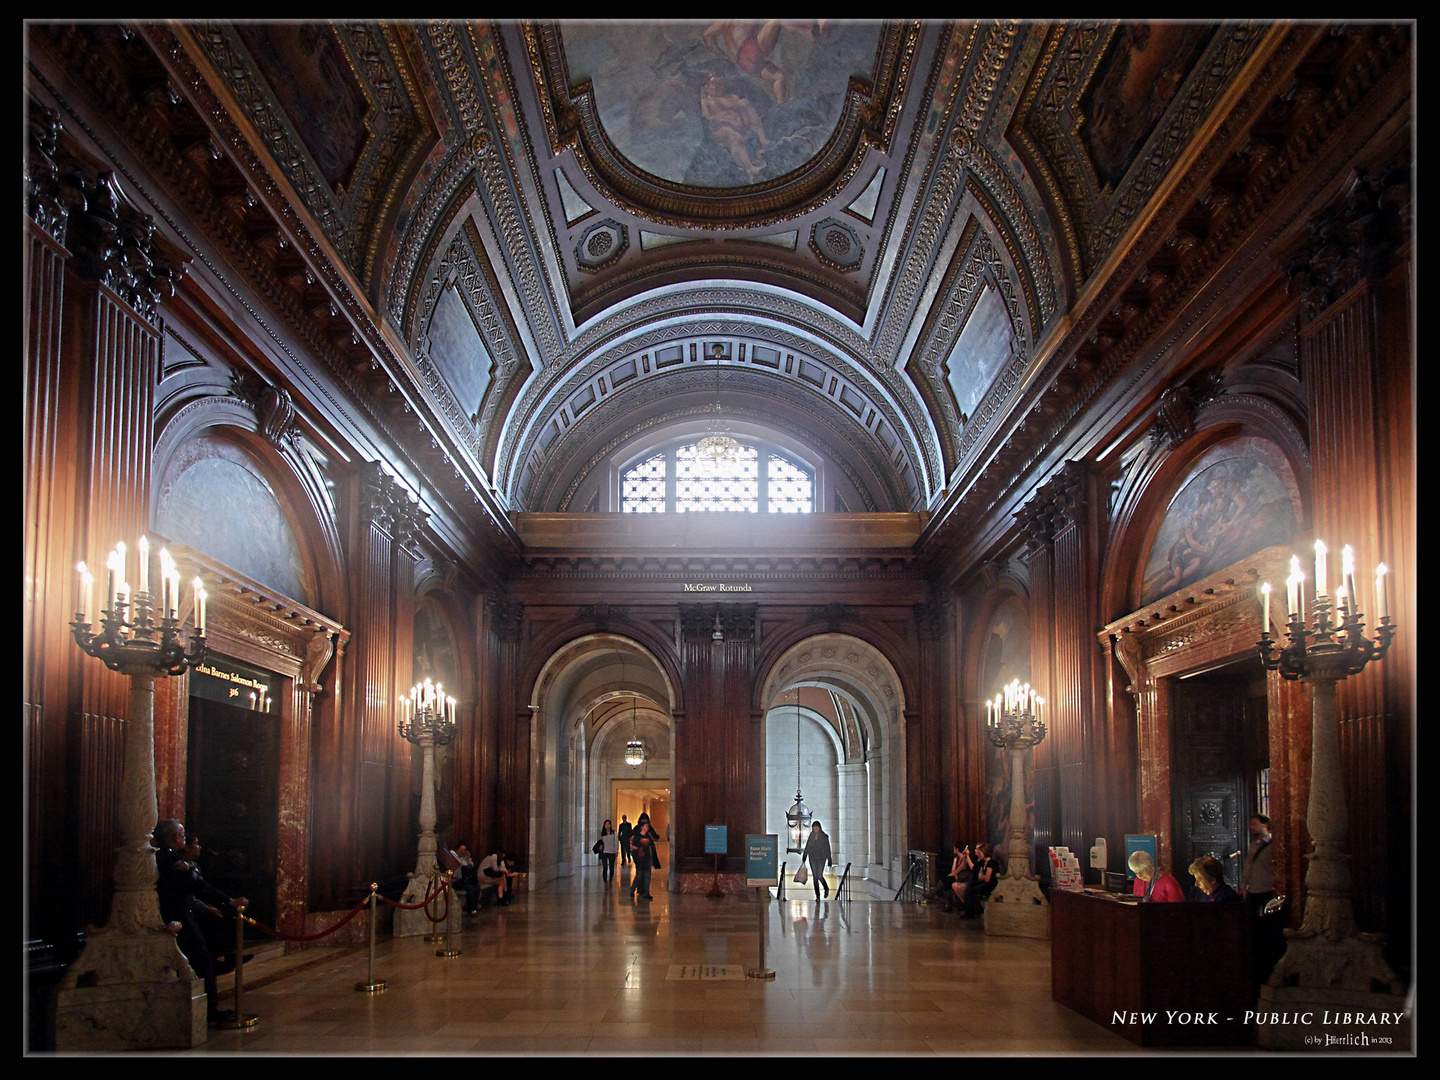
point(756, 477)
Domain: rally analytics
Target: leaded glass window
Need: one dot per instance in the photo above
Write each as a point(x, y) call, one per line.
point(643, 489)
point(684, 479)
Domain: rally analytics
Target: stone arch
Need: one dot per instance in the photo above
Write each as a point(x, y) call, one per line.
point(871, 791)
point(574, 706)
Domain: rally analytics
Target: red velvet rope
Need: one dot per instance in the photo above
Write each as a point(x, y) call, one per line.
point(270, 931)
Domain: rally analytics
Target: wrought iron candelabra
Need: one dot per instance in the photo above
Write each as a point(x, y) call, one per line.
point(1326, 647)
point(132, 954)
point(427, 720)
point(1012, 721)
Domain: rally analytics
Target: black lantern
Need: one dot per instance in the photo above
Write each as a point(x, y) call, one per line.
point(797, 818)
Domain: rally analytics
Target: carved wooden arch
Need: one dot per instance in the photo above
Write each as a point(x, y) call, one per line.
point(251, 623)
point(1006, 588)
point(284, 465)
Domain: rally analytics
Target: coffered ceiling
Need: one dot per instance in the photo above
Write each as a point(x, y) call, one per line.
point(915, 247)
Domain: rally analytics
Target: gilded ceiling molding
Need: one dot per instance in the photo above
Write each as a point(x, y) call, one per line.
point(449, 187)
point(507, 214)
point(923, 234)
point(868, 118)
point(462, 265)
point(1049, 120)
point(348, 219)
point(724, 325)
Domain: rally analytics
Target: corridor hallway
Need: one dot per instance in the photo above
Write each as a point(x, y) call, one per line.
point(580, 969)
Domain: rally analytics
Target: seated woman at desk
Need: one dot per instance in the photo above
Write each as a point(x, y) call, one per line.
point(1152, 883)
point(1209, 878)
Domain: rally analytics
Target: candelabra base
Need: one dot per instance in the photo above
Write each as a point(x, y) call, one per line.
point(416, 923)
point(130, 991)
point(1017, 908)
point(1329, 1019)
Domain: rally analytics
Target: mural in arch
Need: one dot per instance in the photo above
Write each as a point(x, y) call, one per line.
point(1006, 657)
point(216, 499)
point(1237, 498)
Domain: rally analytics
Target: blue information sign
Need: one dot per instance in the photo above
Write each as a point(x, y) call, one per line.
point(762, 859)
point(716, 842)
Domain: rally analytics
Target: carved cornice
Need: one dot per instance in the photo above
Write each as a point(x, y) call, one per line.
point(677, 569)
point(1356, 237)
point(868, 118)
point(1183, 245)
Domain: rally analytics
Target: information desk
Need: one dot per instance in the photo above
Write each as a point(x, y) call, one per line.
point(1158, 974)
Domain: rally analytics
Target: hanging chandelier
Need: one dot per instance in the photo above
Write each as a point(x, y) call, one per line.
point(718, 448)
point(797, 818)
point(635, 748)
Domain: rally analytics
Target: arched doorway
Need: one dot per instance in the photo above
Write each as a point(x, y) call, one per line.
point(841, 700)
point(592, 698)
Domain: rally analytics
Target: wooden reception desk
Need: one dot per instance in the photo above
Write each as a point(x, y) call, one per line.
point(1157, 974)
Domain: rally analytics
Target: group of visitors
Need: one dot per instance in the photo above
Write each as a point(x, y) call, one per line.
point(972, 878)
point(637, 844)
point(494, 876)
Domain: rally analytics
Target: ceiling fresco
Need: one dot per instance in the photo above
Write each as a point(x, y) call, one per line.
point(726, 103)
point(920, 245)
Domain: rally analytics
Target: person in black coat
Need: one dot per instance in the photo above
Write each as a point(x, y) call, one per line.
point(191, 902)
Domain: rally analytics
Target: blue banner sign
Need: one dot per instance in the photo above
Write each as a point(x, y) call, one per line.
point(762, 860)
point(716, 842)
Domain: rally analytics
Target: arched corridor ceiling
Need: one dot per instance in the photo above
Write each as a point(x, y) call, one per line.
point(922, 246)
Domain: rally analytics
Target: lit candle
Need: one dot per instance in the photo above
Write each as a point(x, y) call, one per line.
point(111, 578)
point(82, 597)
point(1347, 575)
point(1321, 585)
point(1342, 600)
point(1265, 608)
point(1382, 604)
point(144, 555)
point(199, 608)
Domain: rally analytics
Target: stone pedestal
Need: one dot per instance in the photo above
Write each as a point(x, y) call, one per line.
point(130, 991)
point(416, 923)
point(1316, 1018)
point(1017, 908)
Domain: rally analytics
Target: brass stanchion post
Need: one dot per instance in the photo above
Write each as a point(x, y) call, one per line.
point(240, 1022)
point(445, 949)
point(371, 985)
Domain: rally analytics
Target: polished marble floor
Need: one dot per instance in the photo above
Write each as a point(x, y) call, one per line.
point(581, 969)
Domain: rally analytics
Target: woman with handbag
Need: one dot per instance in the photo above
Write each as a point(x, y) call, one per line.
point(817, 853)
point(607, 847)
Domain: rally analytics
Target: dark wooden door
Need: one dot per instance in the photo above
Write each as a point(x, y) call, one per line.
point(233, 800)
point(1208, 780)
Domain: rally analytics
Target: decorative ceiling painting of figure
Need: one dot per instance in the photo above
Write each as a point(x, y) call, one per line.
point(722, 104)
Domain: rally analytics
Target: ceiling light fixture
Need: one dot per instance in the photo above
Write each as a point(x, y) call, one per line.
point(719, 448)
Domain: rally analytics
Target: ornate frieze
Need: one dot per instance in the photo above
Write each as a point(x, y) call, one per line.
point(735, 622)
point(1356, 237)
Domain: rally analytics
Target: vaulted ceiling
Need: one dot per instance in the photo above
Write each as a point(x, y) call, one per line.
point(917, 248)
